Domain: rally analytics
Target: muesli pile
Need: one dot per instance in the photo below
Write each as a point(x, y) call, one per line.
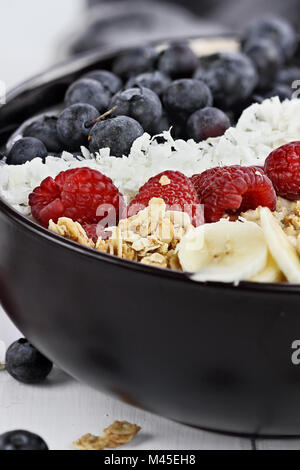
point(151, 236)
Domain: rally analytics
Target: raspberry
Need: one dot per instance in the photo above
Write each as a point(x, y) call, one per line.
point(83, 195)
point(94, 231)
point(283, 168)
point(232, 189)
point(176, 190)
point(258, 168)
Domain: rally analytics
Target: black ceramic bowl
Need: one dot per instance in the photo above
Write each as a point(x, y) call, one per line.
point(210, 355)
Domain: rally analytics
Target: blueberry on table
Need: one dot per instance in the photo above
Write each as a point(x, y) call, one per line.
point(72, 125)
point(88, 91)
point(25, 150)
point(183, 97)
point(141, 104)
point(267, 60)
point(155, 81)
point(230, 76)
point(45, 130)
point(21, 440)
point(108, 80)
point(279, 31)
point(207, 122)
point(178, 61)
point(26, 364)
point(118, 134)
point(135, 61)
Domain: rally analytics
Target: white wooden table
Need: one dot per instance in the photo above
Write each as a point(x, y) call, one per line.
point(61, 410)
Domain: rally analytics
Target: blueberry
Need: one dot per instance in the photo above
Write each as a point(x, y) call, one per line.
point(72, 125)
point(230, 76)
point(155, 81)
point(45, 130)
point(237, 111)
point(118, 134)
point(88, 91)
point(21, 440)
point(26, 364)
point(163, 124)
point(135, 61)
point(178, 61)
point(207, 122)
point(267, 60)
point(279, 31)
point(141, 104)
point(183, 97)
point(284, 92)
point(289, 75)
point(25, 150)
point(108, 80)
point(178, 131)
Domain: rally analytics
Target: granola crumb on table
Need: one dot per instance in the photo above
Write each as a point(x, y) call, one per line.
point(118, 434)
point(2, 355)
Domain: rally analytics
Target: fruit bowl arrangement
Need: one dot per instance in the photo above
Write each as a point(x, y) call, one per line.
point(149, 219)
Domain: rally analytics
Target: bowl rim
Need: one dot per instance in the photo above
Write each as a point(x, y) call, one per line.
point(73, 65)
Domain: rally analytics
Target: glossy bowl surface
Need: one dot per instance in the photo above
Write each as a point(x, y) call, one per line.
point(210, 355)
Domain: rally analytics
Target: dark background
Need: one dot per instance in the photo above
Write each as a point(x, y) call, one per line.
point(130, 22)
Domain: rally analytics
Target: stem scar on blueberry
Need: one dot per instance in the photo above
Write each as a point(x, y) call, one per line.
point(100, 118)
point(138, 97)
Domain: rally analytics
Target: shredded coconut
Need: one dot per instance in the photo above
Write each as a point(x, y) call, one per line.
point(261, 129)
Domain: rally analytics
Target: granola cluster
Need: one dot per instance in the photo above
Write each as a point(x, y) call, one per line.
point(288, 215)
point(67, 228)
point(150, 237)
point(118, 434)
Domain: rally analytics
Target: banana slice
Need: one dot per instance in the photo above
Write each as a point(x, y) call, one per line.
point(271, 272)
point(224, 251)
point(283, 252)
